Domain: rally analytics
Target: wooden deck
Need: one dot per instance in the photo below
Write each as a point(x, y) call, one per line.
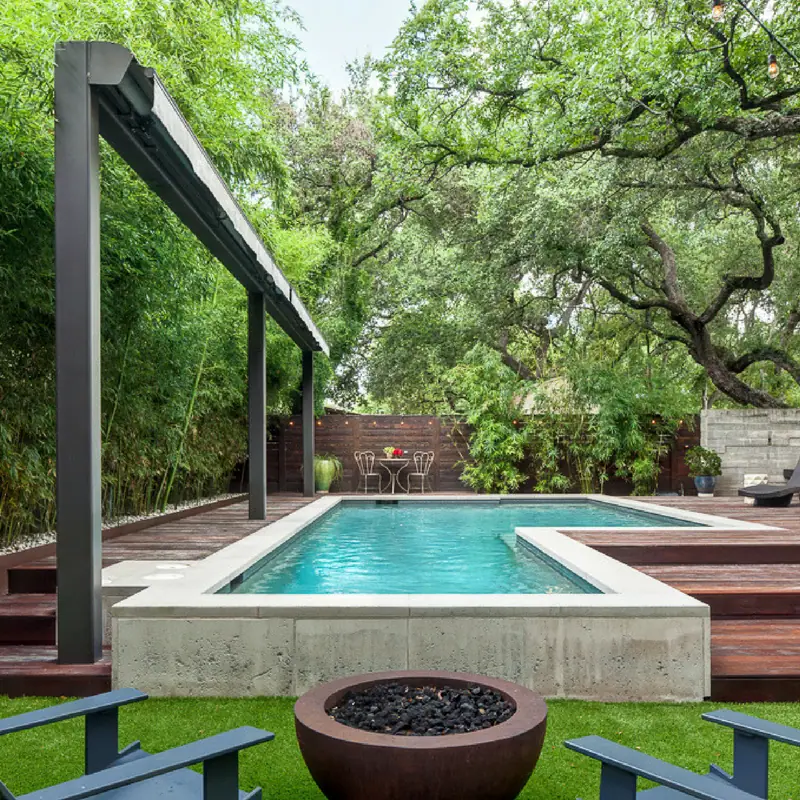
point(750, 579)
point(28, 663)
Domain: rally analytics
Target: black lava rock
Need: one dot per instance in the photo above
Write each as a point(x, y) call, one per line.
point(402, 710)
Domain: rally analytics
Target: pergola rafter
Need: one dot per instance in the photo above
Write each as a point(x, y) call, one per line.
point(101, 90)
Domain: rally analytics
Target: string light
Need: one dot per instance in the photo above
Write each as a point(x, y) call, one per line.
point(773, 68)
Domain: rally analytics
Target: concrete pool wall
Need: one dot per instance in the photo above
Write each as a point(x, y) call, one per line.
point(638, 640)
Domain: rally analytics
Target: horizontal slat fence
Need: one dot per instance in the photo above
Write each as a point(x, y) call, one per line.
point(343, 434)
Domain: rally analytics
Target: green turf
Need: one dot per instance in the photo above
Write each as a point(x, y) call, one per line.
point(34, 759)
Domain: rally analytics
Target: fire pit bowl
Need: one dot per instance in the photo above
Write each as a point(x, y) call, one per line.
point(352, 764)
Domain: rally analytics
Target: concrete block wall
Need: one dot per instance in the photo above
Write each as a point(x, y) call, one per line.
point(751, 441)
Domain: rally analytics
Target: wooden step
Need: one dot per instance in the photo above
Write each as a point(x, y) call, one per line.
point(28, 619)
point(35, 671)
point(37, 577)
point(736, 590)
point(755, 660)
point(640, 553)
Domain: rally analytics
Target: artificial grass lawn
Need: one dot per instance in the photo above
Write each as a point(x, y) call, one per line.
point(34, 759)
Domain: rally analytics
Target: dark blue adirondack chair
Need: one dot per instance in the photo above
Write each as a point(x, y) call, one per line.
point(132, 773)
point(749, 781)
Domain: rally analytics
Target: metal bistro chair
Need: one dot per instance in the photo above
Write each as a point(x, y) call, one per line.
point(365, 460)
point(423, 460)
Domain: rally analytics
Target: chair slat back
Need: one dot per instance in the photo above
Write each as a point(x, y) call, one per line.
point(423, 459)
point(365, 459)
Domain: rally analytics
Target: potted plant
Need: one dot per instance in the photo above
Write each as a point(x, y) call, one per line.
point(704, 466)
point(393, 452)
point(327, 469)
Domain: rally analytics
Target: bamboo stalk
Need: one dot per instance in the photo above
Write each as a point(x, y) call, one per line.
point(190, 409)
point(118, 392)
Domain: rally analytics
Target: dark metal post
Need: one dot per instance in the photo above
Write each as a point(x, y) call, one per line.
point(257, 405)
point(77, 258)
point(308, 423)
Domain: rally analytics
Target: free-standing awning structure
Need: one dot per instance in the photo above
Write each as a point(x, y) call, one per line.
point(102, 90)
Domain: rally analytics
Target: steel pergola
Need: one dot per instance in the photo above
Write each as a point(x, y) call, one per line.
point(102, 90)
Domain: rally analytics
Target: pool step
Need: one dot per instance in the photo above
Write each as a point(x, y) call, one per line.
point(509, 540)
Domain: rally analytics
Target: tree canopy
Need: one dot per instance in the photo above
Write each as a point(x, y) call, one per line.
point(586, 210)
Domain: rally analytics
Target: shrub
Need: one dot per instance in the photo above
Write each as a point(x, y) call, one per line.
point(702, 461)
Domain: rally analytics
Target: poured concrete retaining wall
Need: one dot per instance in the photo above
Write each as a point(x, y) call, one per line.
point(625, 654)
point(752, 441)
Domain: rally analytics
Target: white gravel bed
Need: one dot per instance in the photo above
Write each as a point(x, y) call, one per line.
point(48, 537)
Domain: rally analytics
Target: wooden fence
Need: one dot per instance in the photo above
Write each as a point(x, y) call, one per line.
point(343, 434)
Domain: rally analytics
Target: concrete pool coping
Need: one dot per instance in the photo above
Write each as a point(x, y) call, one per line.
point(196, 594)
point(639, 639)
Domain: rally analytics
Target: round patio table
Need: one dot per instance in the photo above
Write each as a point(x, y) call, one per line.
point(394, 466)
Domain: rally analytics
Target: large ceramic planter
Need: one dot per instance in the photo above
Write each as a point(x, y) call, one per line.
point(705, 484)
point(324, 474)
point(350, 764)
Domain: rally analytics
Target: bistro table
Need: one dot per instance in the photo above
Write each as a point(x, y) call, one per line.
point(394, 466)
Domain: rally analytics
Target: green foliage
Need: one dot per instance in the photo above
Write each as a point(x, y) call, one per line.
point(540, 144)
point(173, 320)
point(703, 462)
point(489, 401)
point(565, 434)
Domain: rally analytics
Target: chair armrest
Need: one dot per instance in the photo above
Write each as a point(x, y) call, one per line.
point(154, 765)
point(76, 708)
point(754, 726)
point(636, 763)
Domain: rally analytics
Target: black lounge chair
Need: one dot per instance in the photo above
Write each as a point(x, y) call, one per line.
point(132, 773)
point(749, 781)
point(766, 494)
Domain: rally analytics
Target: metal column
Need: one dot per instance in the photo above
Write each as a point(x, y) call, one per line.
point(257, 405)
point(308, 423)
point(77, 260)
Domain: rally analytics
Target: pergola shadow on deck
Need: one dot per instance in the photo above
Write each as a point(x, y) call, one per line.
point(101, 90)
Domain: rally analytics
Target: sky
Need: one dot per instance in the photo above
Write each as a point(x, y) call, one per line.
point(340, 31)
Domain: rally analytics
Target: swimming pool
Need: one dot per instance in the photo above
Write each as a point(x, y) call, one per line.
point(433, 548)
point(635, 639)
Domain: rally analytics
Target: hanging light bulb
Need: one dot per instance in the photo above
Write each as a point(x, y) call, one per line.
point(717, 10)
point(772, 66)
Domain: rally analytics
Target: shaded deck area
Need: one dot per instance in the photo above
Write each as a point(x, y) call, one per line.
point(750, 579)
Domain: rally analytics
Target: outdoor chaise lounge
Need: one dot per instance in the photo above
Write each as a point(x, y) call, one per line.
point(132, 773)
point(766, 494)
point(751, 737)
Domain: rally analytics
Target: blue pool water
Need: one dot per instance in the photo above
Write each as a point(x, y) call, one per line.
point(432, 548)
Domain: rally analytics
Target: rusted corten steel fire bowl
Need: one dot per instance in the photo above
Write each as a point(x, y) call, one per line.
point(351, 764)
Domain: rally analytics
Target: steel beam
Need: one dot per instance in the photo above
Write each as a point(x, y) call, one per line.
point(77, 260)
point(257, 405)
point(308, 424)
